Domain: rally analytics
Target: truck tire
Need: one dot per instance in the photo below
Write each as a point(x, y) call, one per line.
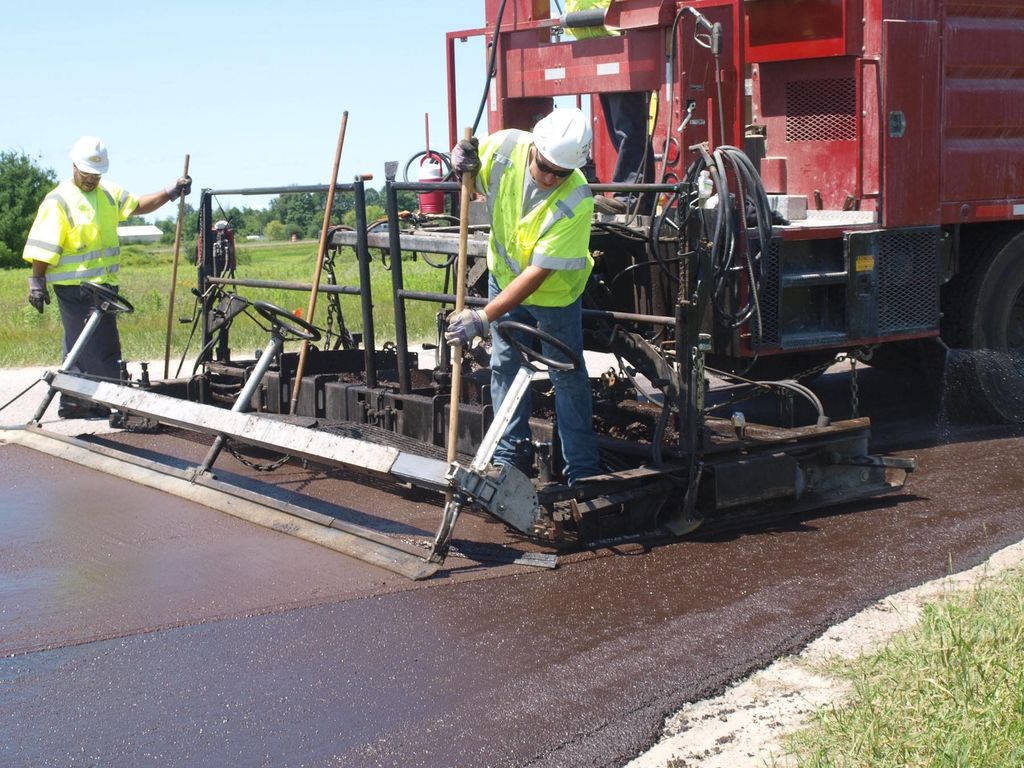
point(984, 328)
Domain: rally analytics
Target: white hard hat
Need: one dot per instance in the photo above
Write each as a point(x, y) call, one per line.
point(89, 154)
point(564, 138)
point(221, 224)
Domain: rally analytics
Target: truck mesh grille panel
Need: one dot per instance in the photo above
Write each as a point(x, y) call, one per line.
point(908, 282)
point(769, 296)
point(821, 110)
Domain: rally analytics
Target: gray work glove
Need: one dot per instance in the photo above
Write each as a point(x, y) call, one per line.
point(465, 326)
point(38, 293)
point(466, 156)
point(181, 187)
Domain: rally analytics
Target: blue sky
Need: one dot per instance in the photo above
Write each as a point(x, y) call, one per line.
point(253, 91)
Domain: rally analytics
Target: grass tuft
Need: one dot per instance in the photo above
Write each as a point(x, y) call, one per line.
point(949, 693)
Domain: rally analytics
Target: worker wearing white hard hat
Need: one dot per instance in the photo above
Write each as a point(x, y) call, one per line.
point(539, 261)
point(74, 240)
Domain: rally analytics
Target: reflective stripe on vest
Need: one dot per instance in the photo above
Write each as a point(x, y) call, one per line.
point(84, 275)
point(502, 160)
point(59, 199)
point(500, 163)
point(565, 209)
point(503, 252)
point(44, 246)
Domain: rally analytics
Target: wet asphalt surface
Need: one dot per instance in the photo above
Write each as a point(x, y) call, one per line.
point(140, 629)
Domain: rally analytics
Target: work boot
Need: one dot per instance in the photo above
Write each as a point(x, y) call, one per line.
point(609, 205)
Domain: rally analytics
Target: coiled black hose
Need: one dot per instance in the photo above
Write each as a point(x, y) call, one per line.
point(734, 251)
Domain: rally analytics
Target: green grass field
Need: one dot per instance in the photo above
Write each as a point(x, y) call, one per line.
point(28, 338)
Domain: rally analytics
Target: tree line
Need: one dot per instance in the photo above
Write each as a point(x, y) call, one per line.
point(24, 184)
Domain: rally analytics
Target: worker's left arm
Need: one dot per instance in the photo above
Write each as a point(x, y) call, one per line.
point(152, 201)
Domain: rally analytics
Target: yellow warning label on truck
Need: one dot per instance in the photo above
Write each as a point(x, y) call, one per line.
point(865, 263)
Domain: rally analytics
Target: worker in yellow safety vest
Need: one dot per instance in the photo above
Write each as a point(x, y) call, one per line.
point(74, 240)
point(539, 262)
point(625, 116)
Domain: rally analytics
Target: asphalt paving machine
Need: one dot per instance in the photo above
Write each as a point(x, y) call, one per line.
point(794, 215)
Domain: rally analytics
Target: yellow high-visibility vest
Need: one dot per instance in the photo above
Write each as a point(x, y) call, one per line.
point(75, 232)
point(554, 235)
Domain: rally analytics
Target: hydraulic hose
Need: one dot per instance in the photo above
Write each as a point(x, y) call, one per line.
point(733, 250)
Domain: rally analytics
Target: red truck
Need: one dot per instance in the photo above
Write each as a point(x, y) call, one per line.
point(889, 136)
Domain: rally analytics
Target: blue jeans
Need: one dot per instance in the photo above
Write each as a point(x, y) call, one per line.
point(573, 405)
point(101, 356)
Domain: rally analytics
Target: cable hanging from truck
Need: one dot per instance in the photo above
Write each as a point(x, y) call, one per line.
point(732, 220)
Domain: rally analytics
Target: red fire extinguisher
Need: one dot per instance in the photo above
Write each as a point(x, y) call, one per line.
point(431, 201)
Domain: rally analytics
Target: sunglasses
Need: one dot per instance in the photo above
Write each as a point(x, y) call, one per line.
point(558, 173)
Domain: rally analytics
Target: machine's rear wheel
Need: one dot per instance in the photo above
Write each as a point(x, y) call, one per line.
point(986, 332)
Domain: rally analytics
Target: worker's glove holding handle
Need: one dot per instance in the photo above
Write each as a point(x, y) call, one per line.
point(466, 156)
point(38, 293)
point(465, 326)
point(181, 187)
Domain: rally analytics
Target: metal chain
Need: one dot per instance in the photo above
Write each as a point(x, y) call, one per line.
point(252, 464)
point(854, 388)
point(328, 267)
point(862, 355)
point(815, 369)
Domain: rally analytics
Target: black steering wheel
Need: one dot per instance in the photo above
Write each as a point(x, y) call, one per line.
point(107, 299)
point(289, 324)
point(531, 355)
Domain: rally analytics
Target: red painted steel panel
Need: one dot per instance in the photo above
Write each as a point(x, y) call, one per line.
point(910, 10)
point(983, 107)
point(625, 63)
point(809, 110)
point(783, 30)
point(991, 48)
point(870, 107)
point(517, 11)
point(637, 14)
point(695, 81)
point(911, 103)
point(986, 109)
point(990, 9)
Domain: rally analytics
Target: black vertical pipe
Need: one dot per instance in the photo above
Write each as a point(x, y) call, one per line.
point(397, 284)
point(365, 283)
point(206, 250)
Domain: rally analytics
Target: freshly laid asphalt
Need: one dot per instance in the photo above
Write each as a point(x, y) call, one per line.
point(137, 628)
